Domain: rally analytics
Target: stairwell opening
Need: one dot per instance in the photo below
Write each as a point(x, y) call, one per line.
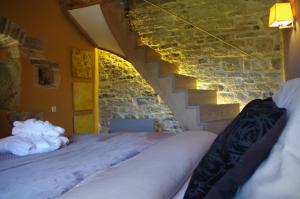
point(124, 94)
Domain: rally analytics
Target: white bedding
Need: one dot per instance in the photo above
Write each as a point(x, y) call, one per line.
point(49, 175)
point(157, 173)
point(181, 192)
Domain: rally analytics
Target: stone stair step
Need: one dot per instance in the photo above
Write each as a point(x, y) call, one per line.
point(151, 54)
point(198, 97)
point(141, 53)
point(166, 67)
point(215, 126)
point(152, 68)
point(217, 112)
point(185, 82)
point(132, 37)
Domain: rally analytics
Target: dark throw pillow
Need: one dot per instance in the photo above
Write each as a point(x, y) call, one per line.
point(250, 126)
point(228, 185)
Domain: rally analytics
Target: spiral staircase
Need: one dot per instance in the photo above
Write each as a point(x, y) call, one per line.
point(193, 108)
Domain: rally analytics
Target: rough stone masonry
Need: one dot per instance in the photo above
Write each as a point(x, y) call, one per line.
point(216, 65)
point(124, 94)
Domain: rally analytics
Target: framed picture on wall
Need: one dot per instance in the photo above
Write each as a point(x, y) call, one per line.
point(82, 96)
point(82, 62)
point(84, 123)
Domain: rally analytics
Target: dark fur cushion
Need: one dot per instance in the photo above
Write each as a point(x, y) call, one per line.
point(256, 120)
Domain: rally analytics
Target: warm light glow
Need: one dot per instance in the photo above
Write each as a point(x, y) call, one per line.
point(281, 15)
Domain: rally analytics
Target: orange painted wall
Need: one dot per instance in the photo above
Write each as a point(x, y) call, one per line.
point(292, 44)
point(44, 19)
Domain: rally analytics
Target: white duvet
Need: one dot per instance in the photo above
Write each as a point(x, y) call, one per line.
point(157, 173)
point(33, 136)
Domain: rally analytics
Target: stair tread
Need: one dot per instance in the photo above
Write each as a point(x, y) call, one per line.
point(221, 105)
point(216, 126)
point(214, 112)
point(152, 54)
point(212, 105)
point(196, 89)
point(184, 76)
point(166, 67)
point(217, 121)
point(200, 97)
point(178, 76)
point(184, 81)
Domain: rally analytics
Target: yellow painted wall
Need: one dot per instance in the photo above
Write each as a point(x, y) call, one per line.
point(44, 19)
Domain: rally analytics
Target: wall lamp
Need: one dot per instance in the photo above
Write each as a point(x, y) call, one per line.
point(281, 16)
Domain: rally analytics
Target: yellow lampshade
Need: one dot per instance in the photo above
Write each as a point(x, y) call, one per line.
point(281, 15)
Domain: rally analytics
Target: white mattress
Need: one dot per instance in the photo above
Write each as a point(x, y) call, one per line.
point(157, 173)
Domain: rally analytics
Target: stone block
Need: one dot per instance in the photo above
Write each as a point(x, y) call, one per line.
point(10, 84)
point(264, 45)
point(34, 44)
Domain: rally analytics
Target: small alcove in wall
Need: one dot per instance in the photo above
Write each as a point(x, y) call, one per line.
point(46, 73)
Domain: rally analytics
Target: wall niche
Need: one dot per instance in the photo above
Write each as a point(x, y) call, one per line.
point(46, 73)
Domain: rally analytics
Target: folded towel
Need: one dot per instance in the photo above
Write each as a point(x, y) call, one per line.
point(16, 145)
point(33, 127)
point(33, 136)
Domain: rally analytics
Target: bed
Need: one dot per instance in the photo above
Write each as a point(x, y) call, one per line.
point(164, 171)
point(52, 174)
point(150, 165)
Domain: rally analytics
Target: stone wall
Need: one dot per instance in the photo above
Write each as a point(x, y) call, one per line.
point(239, 77)
point(10, 78)
point(124, 94)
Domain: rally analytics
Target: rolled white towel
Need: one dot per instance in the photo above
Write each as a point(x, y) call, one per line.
point(48, 143)
point(21, 146)
point(16, 145)
point(33, 127)
point(33, 136)
point(40, 144)
point(64, 140)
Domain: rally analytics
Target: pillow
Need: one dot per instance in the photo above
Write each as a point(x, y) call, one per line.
point(227, 186)
point(256, 119)
point(278, 176)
